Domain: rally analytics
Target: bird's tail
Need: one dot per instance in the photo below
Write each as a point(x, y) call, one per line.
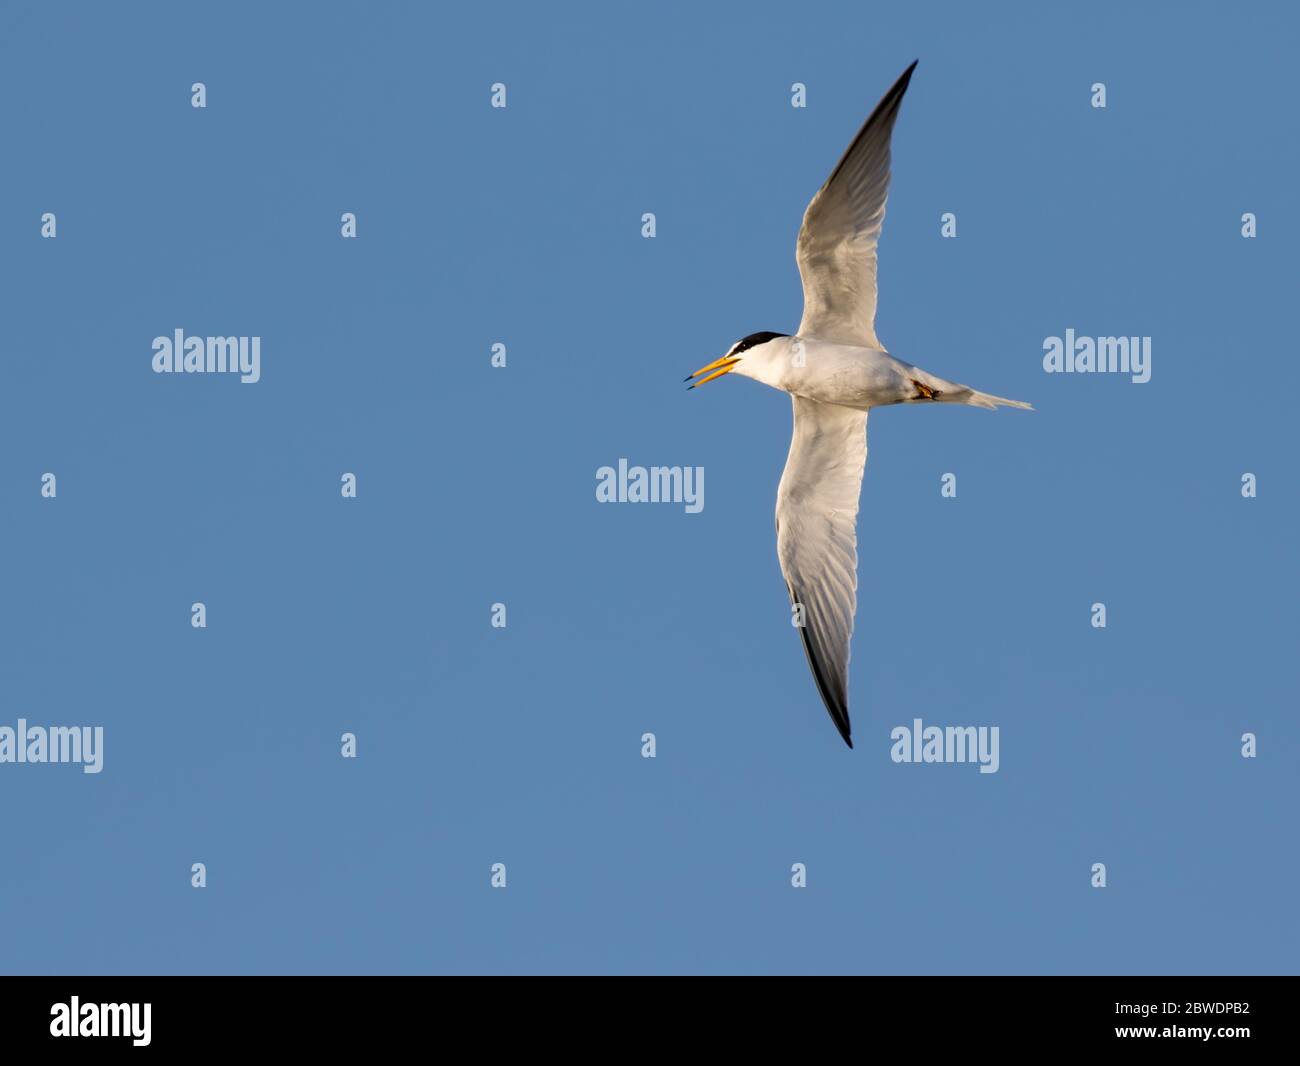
point(930, 387)
point(991, 402)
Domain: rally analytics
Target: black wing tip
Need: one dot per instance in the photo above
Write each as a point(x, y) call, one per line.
point(836, 705)
point(842, 724)
point(904, 79)
point(885, 111)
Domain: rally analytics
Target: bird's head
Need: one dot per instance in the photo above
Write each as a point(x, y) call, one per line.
point(735, 355)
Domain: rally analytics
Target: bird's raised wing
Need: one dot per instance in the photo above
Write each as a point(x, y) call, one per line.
point(836, 251)
point(817, 542)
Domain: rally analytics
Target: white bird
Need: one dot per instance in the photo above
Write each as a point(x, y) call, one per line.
point(835, 371)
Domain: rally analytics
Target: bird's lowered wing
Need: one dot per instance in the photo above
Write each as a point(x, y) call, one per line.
point(836, 251)
point(817, 542)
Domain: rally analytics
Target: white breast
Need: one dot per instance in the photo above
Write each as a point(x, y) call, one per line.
point(831, 373)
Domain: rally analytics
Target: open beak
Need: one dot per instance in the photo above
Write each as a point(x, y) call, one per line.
point(718, 366)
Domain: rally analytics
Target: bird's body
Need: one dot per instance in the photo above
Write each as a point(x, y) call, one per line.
point(852, 376)
point(835, 370)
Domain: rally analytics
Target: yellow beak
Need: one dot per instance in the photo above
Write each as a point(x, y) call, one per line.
point(718, 366)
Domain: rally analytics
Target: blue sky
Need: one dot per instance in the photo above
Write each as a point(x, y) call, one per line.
point(522, 745)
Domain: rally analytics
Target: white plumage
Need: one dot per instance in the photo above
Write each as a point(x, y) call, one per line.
point(836, 370)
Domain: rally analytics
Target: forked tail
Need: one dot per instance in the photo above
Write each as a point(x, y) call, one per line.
point(941, 391)
point(991, 402)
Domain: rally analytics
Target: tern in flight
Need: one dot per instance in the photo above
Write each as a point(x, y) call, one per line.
point(835, 371)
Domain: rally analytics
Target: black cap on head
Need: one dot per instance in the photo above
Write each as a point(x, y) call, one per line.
point(755, 339)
